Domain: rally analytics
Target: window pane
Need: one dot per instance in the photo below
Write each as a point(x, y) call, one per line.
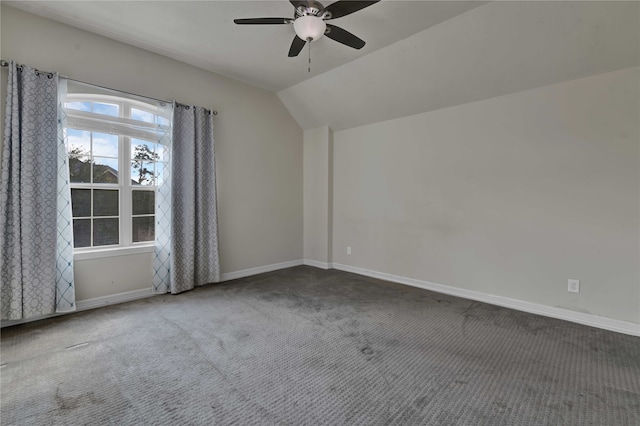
point(106, 109)
point(143, 150)
point(81, 202)
point(162, 121)
point(79, 169)
point(142, 173)
point(105, 170)
point(143, 153)
point(143, 229)
point(105, 145)
point(105, 202)
point(81, 232)
point(143, 202)
point(138, 114)
point(105, 232)
point(79, 142)
point(81, 106)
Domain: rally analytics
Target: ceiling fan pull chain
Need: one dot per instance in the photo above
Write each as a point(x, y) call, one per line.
point(309, 43)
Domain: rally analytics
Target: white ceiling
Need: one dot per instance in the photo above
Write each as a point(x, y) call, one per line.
point(420, 55)
point(202, 33)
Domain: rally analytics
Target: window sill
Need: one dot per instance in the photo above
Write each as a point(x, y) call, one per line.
point(112, 252)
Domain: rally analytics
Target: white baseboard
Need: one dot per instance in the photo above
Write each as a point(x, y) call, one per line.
point(259, 270)
point(112, 299)
point(96, 302)
point(321, 265)
point(534, 308)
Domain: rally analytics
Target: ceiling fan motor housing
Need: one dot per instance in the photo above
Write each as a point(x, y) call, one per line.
point(312, 9)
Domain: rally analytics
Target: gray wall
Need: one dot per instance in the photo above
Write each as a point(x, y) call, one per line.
point(258, 144)
point(509, 196)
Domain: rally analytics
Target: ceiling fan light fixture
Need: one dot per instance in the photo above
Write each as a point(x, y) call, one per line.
point(309, 27)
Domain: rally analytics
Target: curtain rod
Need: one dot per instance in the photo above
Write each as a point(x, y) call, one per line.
point(5, 64)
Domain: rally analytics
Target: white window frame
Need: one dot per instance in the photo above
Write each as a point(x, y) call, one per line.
point(126, 246)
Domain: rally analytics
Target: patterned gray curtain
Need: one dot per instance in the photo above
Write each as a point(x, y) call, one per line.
point(186, 252)
point(36, 263)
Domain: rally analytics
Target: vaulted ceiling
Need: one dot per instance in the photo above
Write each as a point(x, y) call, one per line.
point(493, 50)
point(420, 55)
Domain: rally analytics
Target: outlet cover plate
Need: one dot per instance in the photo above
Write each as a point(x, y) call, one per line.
point(574, 286)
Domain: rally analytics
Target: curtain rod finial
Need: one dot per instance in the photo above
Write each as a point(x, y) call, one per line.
point(3, 63)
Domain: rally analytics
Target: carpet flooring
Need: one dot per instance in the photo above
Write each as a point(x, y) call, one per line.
point(304, 346)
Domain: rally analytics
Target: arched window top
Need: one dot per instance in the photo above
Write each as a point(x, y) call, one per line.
point(116, 106)
point(115, 114)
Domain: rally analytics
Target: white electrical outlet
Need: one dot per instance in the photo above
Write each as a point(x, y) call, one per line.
point(574, 286)
point(349, 250)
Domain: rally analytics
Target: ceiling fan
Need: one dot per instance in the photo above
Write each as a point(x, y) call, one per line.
point(309, 22)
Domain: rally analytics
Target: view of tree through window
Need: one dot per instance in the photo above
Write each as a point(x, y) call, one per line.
point(113, 171)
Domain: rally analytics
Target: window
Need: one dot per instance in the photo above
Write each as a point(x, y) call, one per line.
point(115, 159)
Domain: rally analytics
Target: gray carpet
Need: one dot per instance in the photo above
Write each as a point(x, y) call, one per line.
point(304, 346)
